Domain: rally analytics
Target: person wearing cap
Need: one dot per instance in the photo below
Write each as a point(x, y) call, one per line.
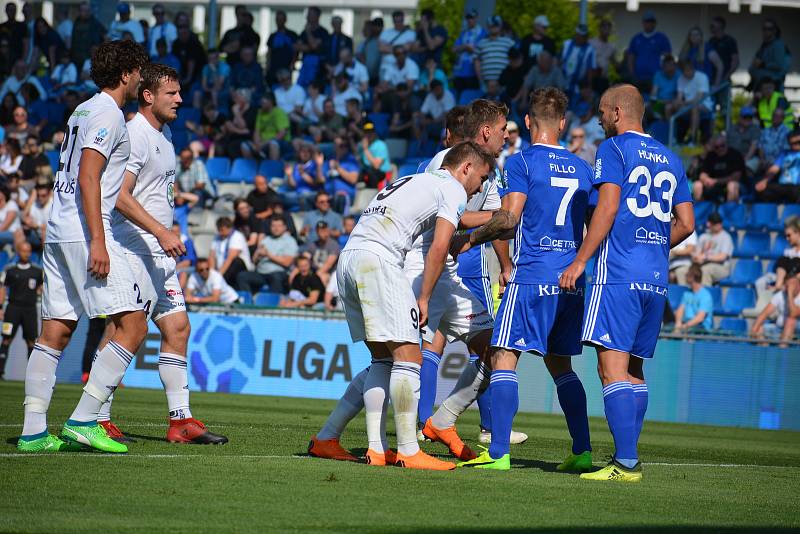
point(34, 217)
point(464, 73)
point(492, 51)
point(537, 41)
point(714, 250)
point(374, 156)
point(323, 252)
point(578, 60)
point(781, 183)
point(645, 51)
point(400, 34)
point(743, 137)
point(126, 24)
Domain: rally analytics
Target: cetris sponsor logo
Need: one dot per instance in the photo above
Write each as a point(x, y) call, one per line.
point(649, 237)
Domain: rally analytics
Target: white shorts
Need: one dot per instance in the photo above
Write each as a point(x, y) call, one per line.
point(453, 310)
point(158, 291)
point(377, 298)
point(70, 290)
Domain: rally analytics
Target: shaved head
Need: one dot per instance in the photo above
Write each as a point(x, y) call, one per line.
point(621, 109)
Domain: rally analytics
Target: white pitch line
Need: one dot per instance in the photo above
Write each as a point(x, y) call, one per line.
point(136, 425)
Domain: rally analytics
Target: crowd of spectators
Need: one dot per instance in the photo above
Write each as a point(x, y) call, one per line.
point(326, 107)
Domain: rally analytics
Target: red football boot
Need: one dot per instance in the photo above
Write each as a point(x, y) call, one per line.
point(192, 431)
point(115, 433)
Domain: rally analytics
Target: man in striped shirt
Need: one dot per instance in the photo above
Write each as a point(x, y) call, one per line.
point(492, 51)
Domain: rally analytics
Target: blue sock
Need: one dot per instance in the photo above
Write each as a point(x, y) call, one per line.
point(572, 398)
point(621, 415)
point(427, 391)
point(641, 396)
point(484, 402)
point(504, 391)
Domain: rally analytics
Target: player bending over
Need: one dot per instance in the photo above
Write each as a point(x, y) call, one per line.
point(641, 186)
point(142, 224)
point(85, 269)
point(379, 303)
point(546, 199)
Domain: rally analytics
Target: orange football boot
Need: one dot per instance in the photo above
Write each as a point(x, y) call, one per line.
point(381, 458)
point(329, 449)
point(420, 460)
point(449, 437)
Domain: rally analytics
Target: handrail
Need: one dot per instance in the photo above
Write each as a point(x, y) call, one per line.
point(726, 108)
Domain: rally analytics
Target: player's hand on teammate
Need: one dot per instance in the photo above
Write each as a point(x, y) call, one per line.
point(422, 306)
point(171, 243)
point(459, 244)
point(99, 263)
point(503, 279)
point(569, 278)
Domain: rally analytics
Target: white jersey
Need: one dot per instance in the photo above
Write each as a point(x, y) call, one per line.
point(97, 124)
point(152, 161)
point(214, 282)
point(404, 210)
point(487, 199)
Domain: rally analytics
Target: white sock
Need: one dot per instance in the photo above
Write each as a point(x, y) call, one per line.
point(404, 391)
point(105, 410)
point(346, 409)
point(172, 370)
point(376, 398)
point(40, 379)
point(473, 380)
point(110, 364)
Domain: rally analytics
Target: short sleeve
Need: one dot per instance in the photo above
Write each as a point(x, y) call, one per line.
point(685, 298)
point(138, 157)
point(492, 201)
point(105, 131)
point(452, 201)
point(726, 244)
point(515, 173)
point(193, 284)
point(215, 281)
point(707, 304)
point(609, 165)
point(682, 190)
point(238, 241)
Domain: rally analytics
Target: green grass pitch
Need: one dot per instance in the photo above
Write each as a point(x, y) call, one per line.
point(696, 478)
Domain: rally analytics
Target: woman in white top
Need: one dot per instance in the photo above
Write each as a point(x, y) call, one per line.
point(10, 158)
point(9, 218)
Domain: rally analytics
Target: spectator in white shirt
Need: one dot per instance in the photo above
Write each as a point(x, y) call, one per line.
point(207, 286)
point(430, 117)
point(125, 25)
point(10, 228)
point(693, 92)
point(34, 219)
point(289, 97)
point(231, 255)
point(356, 71)
point(404, 70)
point(398, 35)
point(344, 91)
point(64, 75)
point(162, 28)
point(680, 259)
point(315, 101)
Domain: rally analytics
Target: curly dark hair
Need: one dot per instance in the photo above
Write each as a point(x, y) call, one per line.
point(114, 58)
point(152, 76)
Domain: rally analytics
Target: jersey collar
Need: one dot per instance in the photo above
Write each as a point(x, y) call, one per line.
point(549, 146)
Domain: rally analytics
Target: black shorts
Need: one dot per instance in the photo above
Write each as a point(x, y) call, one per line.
point(27, 317)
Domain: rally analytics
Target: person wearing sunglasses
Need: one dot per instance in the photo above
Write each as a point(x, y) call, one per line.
point(781, 183)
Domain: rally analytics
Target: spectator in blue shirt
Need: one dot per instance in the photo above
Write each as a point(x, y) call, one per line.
point(348, 223)
point(374, 156)
point(697, 306)
point(247, 73)
point(308, 176)
point(165, 57)
point(464, 75)
point(280, 49)
point(665, 88)
point(431, 38)
point(645, 51)
point(344, 172)
point(184, 264)
point(782, 180)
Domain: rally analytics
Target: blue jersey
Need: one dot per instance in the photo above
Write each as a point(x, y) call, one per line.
point(652, 181)
point(557, 184)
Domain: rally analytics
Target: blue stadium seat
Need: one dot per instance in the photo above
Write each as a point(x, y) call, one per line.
point(753, 244)
point(702, 210)
point(271, 168)
point(381, 122)
point(675, 293)
point(180, 139)
point(789, 210)
point(716, 295)
point(468, 95)
point(185, 114)
point(745, 273)
point(778, 247)
point(733, 325)
point(737, 299)
point(267, 300)
point(245, 298)
point(733, 215)
point(3, 259)
point(406, 168)
point(217, 168)
point(52, 156)
point(762, 216)
point(659, 130)
point(242, 170)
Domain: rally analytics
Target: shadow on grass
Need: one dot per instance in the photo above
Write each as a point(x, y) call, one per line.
point(683, 529)
point(146, 438)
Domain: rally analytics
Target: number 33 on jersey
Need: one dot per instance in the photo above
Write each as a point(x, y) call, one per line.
point(652, 180)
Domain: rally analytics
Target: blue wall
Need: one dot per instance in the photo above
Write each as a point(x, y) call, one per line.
point(702, 382)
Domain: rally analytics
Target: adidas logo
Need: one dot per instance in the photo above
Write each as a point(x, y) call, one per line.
point(520, 341)
point(606, 338)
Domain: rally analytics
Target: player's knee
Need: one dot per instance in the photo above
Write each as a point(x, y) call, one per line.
point(131, 328)
point(178, 334)
point(557, 365)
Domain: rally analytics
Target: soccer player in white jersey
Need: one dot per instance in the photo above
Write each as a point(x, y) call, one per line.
point(85, 269)
point(379, 303)
point(142, 225)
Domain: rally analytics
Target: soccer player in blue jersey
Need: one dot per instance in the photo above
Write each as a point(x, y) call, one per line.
point(644, 207)
point(546, 199)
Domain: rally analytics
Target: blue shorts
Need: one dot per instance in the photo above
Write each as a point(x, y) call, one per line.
point(625, 317)
point(540, 319)
point(481, 287)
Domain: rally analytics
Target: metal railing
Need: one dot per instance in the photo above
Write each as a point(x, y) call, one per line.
point(723, 89)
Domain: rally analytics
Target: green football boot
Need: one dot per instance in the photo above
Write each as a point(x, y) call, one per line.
point(577, 463)
point(484, 461)
point(91, 434)
point(616, 472)
point(45, 443)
